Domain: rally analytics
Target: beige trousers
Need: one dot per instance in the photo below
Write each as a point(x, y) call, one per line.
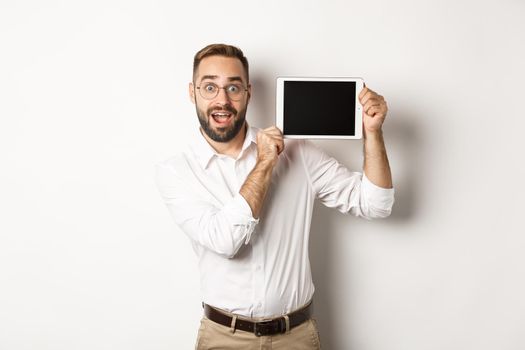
point(213, 336)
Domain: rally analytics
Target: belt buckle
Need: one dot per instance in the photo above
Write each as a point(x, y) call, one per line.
point(269, 327)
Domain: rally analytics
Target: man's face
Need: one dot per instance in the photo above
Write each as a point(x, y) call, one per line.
point(221, 118)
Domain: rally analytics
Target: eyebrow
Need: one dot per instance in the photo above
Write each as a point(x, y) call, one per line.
point(212, 77)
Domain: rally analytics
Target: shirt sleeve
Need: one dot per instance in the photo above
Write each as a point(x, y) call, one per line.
point(349, 192)
point(221, 228)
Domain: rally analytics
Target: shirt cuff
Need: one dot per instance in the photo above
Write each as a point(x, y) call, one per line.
point(244, 211)
point(381, 197)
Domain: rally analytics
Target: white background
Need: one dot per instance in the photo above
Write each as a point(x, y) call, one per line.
point(93, 94)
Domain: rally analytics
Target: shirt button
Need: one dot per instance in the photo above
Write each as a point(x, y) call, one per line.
point(258, 267)
point(259, 304)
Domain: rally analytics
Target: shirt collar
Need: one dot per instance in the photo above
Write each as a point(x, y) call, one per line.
point(204, 152)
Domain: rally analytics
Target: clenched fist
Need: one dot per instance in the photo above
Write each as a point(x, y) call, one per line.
point(270, 144)
point(374, 110)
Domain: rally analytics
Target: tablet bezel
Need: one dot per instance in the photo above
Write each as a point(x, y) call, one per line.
point(358, 108)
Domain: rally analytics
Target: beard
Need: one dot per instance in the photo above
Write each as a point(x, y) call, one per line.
point(222, 134)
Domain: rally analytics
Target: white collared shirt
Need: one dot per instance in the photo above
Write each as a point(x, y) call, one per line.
point(259, 267)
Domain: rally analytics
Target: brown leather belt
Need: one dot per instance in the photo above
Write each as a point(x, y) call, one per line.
point(268, 327)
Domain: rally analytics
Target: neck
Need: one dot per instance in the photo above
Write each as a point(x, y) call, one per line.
point(231, 148)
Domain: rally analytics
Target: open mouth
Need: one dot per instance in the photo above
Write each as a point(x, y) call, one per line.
point(221, 117)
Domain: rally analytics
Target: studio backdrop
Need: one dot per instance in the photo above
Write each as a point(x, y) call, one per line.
point(94, 94)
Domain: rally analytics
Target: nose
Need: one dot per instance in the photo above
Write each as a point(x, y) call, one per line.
point(222, 96)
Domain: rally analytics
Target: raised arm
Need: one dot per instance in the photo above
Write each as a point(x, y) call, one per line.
point(220, 226)
point(376, 166)
point(269, 145)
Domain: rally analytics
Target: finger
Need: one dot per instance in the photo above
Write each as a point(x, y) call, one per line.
point(369, 95)
point(274, 139)
point(376, 112)
point(275, 135)
point(275, 130)
point(370, 104)
point(366, 97)
point(363, 92)
point(270, 140)
point(270, 128)
point(278, 142)
point(280, 147)
point(271, 131)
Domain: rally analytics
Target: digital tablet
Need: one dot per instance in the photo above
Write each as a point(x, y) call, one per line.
point(323, 108)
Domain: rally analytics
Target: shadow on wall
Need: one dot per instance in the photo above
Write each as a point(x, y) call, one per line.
point(405, 146)
point(261, 112)
point(405, 149)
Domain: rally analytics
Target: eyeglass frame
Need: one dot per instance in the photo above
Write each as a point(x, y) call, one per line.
point(243, 89)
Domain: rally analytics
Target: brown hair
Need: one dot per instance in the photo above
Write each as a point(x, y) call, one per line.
point(220, 50)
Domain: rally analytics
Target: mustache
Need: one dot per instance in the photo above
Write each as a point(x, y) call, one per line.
point(227, 108)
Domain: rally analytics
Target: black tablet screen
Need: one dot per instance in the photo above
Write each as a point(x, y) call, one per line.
point(319, 108)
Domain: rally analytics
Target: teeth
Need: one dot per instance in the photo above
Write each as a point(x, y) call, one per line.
point(221, 115)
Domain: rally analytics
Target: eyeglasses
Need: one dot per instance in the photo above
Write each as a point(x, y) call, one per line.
point(209, 91)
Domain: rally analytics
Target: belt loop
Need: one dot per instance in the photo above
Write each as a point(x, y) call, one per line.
point(287, 321)
point(234, 320)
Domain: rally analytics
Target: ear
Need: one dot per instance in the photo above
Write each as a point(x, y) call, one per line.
point(191, 91)
point(249, 87)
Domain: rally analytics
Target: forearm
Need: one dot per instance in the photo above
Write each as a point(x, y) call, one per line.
point(222, 228)
point(256, 185)
point(376, 165)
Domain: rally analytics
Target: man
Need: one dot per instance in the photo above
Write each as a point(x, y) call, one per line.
point(245, 199)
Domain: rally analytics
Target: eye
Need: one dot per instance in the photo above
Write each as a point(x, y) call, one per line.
point(210, 87)
point(234, 88)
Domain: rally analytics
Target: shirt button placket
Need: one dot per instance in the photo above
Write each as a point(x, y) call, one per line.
point(260, 286)
point(258, 280)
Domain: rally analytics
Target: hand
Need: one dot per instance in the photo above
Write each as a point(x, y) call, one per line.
point(270, 144)
point(374, 110)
